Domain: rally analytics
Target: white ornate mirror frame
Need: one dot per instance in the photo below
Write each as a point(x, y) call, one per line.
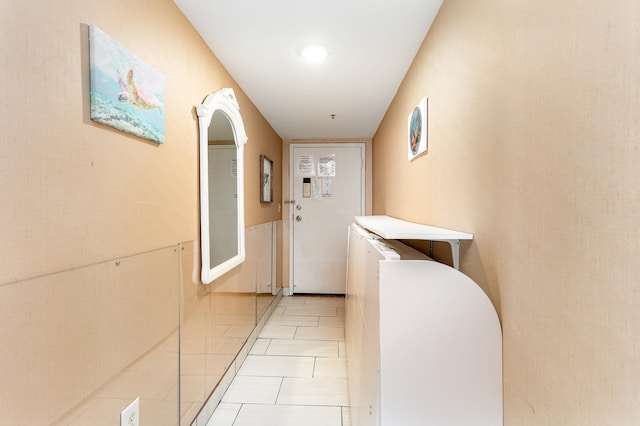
point(225, 101)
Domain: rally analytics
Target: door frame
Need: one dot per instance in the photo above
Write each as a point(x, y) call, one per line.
point(363, 190)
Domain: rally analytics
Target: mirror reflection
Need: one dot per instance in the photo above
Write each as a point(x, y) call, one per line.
point(223, 190)
point(222, 139)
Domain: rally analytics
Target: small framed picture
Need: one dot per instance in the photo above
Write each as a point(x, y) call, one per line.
point(417, 123)
point(266, 168)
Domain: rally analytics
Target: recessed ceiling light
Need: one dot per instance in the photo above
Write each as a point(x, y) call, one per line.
point(314, 53)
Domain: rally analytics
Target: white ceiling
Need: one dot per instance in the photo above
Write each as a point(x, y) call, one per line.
point(371, 45)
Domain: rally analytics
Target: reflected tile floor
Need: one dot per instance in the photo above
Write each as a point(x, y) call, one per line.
point(296, 372)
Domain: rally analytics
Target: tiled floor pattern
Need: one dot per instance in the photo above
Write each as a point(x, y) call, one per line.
point(296, 372)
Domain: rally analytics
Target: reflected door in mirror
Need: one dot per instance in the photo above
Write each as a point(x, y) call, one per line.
point(223, 190)
point(223, 203)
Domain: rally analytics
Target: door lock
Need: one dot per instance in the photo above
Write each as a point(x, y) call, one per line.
point(299, 218)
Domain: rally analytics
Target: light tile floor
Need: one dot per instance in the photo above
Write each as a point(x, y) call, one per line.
point(296, 372)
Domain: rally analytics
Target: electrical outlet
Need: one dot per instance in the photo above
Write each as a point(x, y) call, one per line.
point(130, 416)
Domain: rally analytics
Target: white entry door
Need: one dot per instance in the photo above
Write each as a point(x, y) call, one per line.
point(327, 191)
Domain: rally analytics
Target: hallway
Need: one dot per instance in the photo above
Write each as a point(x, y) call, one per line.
point(296, 372)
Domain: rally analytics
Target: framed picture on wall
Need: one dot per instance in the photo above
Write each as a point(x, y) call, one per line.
point(417, 125)
point(266, 169)
point(125, 92)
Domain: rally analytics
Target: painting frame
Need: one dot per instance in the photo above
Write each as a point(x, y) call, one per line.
point(266, 173)
point(125, 92)
point(418, 130)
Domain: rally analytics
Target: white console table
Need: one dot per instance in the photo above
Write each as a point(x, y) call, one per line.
point(391, 228)
point(424, 343)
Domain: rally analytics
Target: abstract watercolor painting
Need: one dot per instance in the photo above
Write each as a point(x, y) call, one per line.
point(126, 93)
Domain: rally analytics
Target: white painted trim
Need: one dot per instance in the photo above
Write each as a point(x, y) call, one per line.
point(274, 256)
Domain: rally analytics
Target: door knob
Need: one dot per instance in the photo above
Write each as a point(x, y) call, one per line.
point(299, 218)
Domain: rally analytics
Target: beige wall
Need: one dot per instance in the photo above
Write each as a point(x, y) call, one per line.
point(77, 192)
point(77, 195)
point(533, 147)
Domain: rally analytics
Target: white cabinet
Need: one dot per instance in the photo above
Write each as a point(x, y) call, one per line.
point(362, 328)
point(424, 344)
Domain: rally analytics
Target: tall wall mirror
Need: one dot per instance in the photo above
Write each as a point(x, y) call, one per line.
point(222, 139)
